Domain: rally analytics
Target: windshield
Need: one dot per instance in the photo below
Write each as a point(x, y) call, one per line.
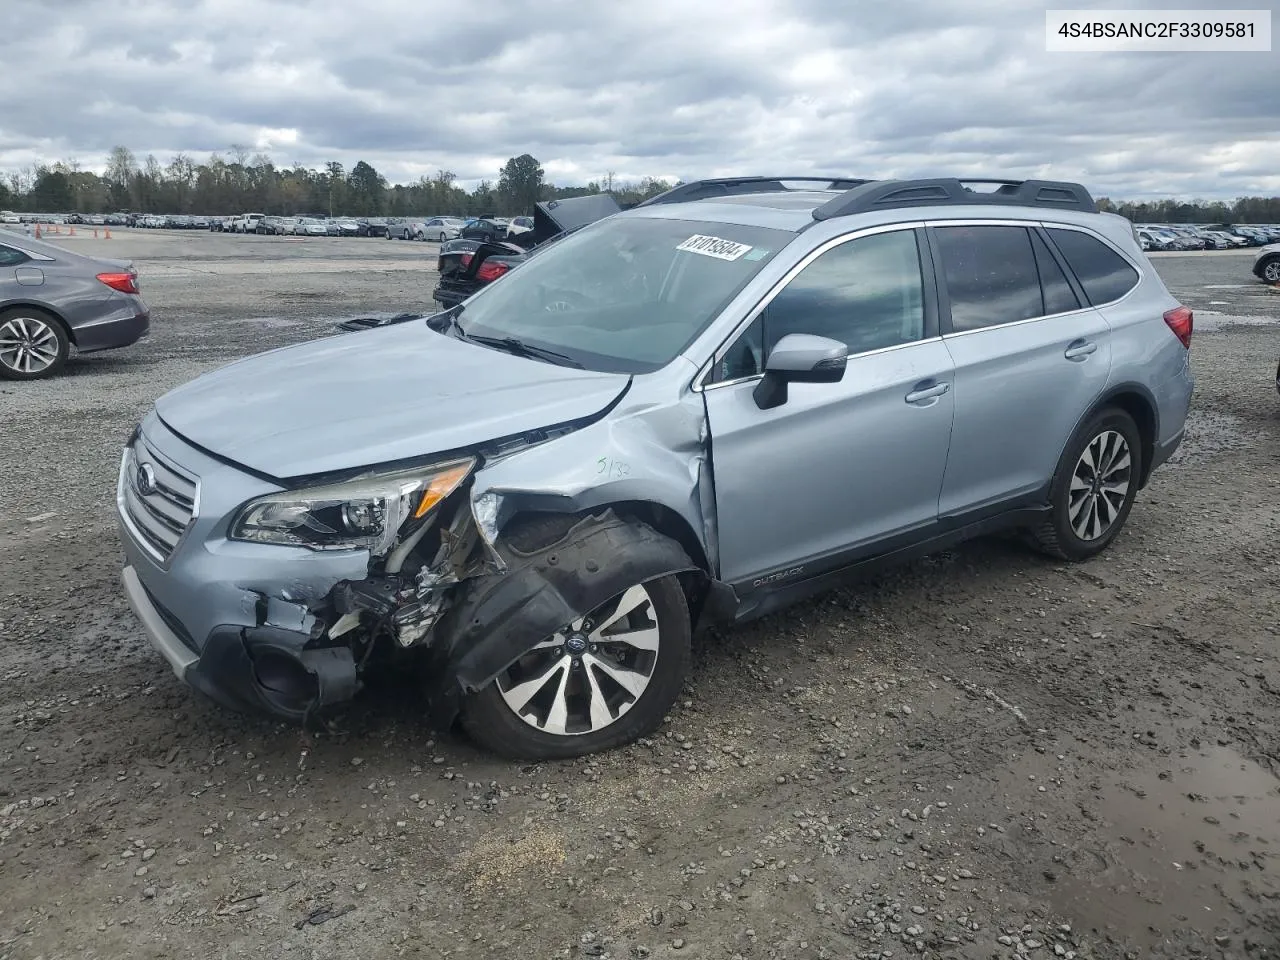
point(624, 295)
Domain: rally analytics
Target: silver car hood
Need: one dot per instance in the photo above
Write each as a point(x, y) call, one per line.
point(373, 397)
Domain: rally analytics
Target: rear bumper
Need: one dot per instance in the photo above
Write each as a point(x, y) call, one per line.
point(1163, 451)
point(451, 294)
point(128, 323)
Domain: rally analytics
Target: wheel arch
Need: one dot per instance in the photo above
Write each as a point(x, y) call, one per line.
point(702, 591)
point(574, 562)
point(1137, 401)
point(44, 308)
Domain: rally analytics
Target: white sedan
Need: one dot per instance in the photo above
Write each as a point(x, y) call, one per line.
point(438, 229)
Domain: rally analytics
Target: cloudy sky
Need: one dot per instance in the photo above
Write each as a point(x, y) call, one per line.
point(666, 88)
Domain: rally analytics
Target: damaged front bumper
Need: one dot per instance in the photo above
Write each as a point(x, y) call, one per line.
point(248, 669)
point(235, 620)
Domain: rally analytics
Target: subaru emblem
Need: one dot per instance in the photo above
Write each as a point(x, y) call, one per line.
point(146, 480)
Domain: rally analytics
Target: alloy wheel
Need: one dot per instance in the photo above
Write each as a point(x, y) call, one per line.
point(590, 672)
point(1271, 272)
point(1100, 485)
point(28, 345)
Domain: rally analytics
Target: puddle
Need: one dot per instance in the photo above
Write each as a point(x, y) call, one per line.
point(1179, 847)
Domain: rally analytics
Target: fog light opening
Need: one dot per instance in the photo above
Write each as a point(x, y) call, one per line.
point(284, 679)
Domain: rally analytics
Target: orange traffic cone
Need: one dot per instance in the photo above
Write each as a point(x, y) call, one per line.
point(37, 231)
point(107, 233)
point(95, 233)
point(71, 232)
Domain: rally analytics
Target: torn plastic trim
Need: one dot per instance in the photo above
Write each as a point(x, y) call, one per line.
point(497, 618)
point(272, 671)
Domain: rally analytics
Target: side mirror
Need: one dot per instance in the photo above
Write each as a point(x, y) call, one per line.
point(799, 358)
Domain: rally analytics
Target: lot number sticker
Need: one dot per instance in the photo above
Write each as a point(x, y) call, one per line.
point(714, 247)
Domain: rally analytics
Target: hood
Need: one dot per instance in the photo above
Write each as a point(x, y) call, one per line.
point(378, 396)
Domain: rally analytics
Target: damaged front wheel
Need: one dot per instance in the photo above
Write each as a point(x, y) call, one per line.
point(599, 681)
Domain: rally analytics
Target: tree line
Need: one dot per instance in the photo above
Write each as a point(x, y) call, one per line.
point(1241, 210)
point(240, 182)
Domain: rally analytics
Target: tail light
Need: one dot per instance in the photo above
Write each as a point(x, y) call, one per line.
point(466, 260)
point(124, 282)
point(1180, 321)
point(490, 271)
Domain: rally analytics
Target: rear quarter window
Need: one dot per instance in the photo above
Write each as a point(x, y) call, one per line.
point(1104, 274)
point(10, 257)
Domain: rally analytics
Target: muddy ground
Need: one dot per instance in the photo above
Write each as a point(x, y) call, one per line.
point(986, 754)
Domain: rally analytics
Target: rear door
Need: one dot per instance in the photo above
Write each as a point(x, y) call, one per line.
point(1031, 356)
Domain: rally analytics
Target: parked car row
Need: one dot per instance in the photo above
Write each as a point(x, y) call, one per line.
point(167, 221)
point(319, 225)
point(435, 229)
point(1186, 236)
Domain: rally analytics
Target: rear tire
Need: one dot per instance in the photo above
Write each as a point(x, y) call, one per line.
point(1094, 487)
point(33, 344)
point(1271, 271)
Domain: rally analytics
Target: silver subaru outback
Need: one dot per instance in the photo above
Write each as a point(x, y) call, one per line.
point(696, 411)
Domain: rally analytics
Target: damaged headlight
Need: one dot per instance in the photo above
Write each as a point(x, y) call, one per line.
point(366, 512)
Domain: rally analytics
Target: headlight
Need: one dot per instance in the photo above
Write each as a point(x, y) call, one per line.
point(366, 512)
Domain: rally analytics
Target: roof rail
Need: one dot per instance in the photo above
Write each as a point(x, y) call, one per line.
point(734, 186)
point(888, 194)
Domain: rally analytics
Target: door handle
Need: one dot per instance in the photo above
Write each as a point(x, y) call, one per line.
point(1079, 349)
point(927, 390)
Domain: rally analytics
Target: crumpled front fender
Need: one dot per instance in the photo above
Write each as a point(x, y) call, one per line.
point(501, 616)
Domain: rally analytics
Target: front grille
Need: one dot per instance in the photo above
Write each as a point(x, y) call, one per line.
point(158, 500)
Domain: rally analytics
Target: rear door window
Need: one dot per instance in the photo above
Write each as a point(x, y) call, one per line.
point(991, 275)
point(1103, 273)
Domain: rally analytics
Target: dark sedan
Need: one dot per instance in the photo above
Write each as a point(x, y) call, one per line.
point(53, 301)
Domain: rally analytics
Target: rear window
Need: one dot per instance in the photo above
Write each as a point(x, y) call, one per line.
point(1104, 274)
point(10, 257)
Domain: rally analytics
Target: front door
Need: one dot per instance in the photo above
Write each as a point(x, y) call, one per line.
point(839, 467)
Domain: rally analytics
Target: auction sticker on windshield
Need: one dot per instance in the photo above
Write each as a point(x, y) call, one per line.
point(714, 247)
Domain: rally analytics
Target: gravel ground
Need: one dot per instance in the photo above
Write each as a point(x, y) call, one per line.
point(985, 754)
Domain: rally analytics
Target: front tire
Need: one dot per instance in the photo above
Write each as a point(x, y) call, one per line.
point(1094, 487)
point(1271, 271)
point(601, 681)
point(32, 345)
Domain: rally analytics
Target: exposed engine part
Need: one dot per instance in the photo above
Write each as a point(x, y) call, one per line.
point(414, 621)
point(450, 563)
point(397, 557)
point(378, 596)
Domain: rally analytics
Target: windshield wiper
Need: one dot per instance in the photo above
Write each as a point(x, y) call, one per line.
point(518, 347)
